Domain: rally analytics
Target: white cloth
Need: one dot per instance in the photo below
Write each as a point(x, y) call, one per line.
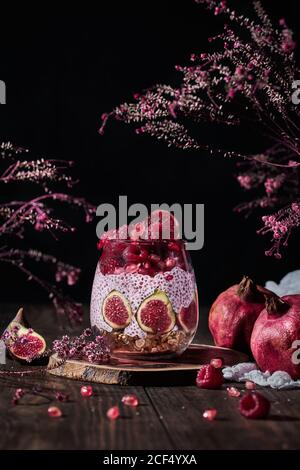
point(248, 371)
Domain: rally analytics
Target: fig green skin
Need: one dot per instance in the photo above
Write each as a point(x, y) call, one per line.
point(231, 319)
point(273, 336)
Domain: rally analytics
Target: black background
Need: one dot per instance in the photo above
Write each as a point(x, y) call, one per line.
point(63, 70)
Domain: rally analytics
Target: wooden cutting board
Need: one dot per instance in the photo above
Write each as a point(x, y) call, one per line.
point(134, 371)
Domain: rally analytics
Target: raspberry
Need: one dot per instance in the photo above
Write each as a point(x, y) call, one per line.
point(209, 377)
point(254, 406)
point(108, 264)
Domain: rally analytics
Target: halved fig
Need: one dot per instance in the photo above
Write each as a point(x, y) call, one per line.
point(23, 343)
point(116, 310)
point(155, 314)
point(188, 317)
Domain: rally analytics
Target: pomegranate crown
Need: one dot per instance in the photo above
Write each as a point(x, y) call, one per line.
point(248, 291)
point(275, 305)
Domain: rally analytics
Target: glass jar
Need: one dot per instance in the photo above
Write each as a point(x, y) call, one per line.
point(145, 297)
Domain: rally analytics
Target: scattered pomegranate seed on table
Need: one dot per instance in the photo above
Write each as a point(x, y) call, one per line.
point(130, 400)
point(113, 413)
point(209, 377)
point(233, 392)
point(54, 412)
point(250, 385)
point(253, 405)
point(217, 362)
point(209, 415)
point(86, 391)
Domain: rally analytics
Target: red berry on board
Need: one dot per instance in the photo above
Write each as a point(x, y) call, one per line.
point(210, 414)
point(254, 406)
point(209, 377)
point(113, 413)
point(54, 412)
point(86, 391)
point(130, 400)
point(217, 362)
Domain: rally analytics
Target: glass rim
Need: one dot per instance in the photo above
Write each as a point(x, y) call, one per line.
point(148, 241)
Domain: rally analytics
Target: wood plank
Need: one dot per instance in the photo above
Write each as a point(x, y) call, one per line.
point(84, 424)
point(181, 411)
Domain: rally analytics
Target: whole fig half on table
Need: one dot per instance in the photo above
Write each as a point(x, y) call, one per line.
point(234, 312)
point(275, 338)
point(21, 342)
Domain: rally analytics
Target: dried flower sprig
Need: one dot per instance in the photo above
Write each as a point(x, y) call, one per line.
point(88, 346)
point(16, 215)
point(248, 81)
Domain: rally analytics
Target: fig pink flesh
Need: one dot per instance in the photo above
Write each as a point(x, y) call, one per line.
point(188, 317)
point(28, 347)
point(116, 311)
point(155, 316)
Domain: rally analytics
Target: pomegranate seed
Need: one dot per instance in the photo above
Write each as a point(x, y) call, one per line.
point(233, 392)
point(250, 385)
point(140, 227)
point(130, 255)
point(210, 414)
point(143, 255)
point(100, 244)
point(118, 270)
point(209, 377)
point(113, 412)
point(86, 391)
point(130, 400)
point(155, 258)
point(169, 277)
point(131, 268)
point(170, 262)
point(217, 362)
point(173, 246)
point(54, 412)
point(253, 405)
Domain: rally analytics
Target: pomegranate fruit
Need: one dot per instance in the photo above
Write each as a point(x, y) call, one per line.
point(155, 314)
point(116, 310)
point(23, 343)
point(234, 312)
point(274, 333)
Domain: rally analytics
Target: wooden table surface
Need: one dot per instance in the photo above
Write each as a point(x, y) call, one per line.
point(169, 417)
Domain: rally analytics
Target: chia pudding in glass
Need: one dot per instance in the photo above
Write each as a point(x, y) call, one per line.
point(144, 295)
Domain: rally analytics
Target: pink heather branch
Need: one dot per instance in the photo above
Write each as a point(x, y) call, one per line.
point(247, 81)
point(16, 215)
